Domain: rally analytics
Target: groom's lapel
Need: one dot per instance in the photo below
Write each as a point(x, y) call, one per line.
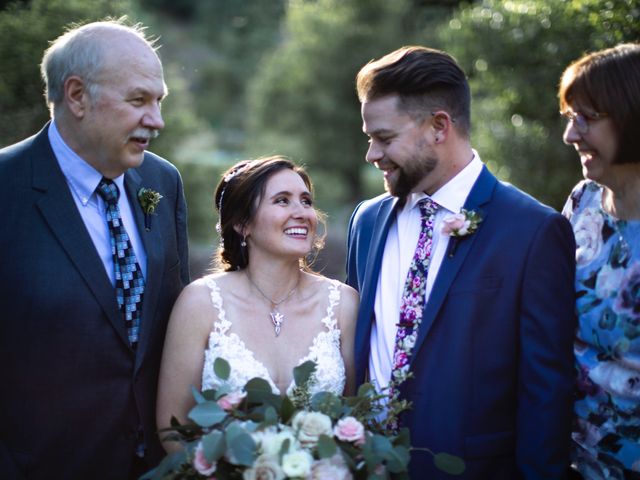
point(61, 215)
point(152, 241)
point(379, 229)
point(456, 254)
point(383, 220)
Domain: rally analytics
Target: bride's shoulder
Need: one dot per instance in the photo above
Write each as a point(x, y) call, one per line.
point(322, 284)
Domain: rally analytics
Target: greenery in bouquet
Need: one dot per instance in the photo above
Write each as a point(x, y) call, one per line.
point(256, 434)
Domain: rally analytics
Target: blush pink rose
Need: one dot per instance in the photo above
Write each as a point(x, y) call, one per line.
point(455, 224)
point(231, 400)
point(349, 429)
point(201, 464)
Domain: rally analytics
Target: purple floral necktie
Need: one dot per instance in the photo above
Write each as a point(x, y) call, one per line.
point(413, 298)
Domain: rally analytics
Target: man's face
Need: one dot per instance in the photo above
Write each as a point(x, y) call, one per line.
point(401, 147)
point(124, 113)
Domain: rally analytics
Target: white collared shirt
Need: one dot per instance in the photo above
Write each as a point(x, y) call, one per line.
point(396, 260)
point(83, 180)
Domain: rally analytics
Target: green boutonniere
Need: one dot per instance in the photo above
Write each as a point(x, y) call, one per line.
point(149, 200)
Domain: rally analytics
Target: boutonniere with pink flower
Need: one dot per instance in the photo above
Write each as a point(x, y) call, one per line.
point(460, 225)
point(149, 200)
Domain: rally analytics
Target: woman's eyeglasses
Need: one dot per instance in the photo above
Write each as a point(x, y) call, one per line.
point(582, 120)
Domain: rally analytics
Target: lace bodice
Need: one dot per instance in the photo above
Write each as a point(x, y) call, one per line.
point(324, 351)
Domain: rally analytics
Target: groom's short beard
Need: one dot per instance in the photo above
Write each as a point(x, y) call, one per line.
point(409, 176)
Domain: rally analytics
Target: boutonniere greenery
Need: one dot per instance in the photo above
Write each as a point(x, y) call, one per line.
point(149, 200)
point(460, 225)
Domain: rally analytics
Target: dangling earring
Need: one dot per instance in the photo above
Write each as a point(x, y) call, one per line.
point(243, 243)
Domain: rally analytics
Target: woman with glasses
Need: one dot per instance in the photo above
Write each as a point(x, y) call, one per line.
point(600, 98)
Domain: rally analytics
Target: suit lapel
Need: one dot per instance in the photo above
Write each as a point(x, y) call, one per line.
point(381, 223)
point(155, 262)
point(478, 197)
point(61, 215)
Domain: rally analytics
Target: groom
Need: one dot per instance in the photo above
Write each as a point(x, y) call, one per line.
point(482, 322)
point(90, 264)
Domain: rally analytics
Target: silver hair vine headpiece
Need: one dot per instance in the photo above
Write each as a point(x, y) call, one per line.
point(227, 178)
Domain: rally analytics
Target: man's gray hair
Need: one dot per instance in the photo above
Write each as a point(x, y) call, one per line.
point(81, 51)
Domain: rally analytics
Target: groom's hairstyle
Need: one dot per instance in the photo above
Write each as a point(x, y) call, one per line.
point(608, 81)
point(81, 51)
point(425, 80)
point(237, 198)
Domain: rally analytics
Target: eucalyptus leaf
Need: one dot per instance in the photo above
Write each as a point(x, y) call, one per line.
point(449, 464)
point(302, 373)
point(366, 389)
point(284, 449)
point(287, 410)
point(222, 368)
point(259, 391)
point(197, 395)
point(242, 446)
point(327, 447)
point(207, 414)
point(327, 403)
point(168, 464)
point(213, 445)
point(270, 416)
point(397, 459)
point(403, 438)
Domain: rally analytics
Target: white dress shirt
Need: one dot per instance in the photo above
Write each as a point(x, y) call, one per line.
point(83, 180)
point(396, 260)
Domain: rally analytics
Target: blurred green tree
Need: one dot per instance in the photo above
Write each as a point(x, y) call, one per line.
point(514, 53)
point(25, 30)
point(303, 102)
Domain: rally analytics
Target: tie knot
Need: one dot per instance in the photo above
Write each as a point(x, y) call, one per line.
point(427, 207)
point(108, 191)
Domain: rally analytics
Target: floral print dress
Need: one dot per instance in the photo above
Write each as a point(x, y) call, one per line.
point(606, 430)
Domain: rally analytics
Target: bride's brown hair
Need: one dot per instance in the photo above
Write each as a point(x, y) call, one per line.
point(236, 199)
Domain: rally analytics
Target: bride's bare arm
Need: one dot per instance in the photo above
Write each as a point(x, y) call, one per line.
point(183, 356)
point(347, 316)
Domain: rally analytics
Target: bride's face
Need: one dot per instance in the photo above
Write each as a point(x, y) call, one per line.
point(285, 222)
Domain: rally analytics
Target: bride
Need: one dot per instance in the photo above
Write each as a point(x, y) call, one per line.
point(266, 312)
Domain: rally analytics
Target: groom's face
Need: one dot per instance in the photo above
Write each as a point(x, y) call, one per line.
point(401, 147)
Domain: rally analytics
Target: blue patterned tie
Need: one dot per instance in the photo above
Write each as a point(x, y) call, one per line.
point(129, 279)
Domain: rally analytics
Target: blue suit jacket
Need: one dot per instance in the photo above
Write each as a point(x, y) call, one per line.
point(493, 362)
point(74, 391)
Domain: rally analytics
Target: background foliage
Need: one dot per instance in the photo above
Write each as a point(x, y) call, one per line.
point(254, 78)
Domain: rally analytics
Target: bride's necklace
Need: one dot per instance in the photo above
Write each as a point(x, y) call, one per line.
point(277, 317)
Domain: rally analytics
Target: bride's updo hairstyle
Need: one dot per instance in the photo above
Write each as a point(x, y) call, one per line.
point(237, 198)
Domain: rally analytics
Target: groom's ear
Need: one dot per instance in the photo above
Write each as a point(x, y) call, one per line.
point(441, 122)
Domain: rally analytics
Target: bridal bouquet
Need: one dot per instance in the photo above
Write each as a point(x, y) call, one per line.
point(255, 434)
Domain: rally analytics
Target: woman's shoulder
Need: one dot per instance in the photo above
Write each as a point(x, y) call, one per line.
point(322, 283)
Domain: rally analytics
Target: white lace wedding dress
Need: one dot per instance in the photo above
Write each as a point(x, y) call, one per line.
point(324, 351)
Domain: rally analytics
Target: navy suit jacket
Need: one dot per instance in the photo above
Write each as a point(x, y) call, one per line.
point(74, 390)
point(493, 362)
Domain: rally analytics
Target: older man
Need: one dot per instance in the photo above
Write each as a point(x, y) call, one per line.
point(93, 254)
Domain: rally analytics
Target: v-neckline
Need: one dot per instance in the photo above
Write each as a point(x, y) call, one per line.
point(222, 326)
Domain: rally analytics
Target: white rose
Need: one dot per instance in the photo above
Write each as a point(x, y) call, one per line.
point(265, 467)
point(272, 443)
point(334, 468)
point(310, 425)
point(297, 464)
point(588, 233)
point(608, 281)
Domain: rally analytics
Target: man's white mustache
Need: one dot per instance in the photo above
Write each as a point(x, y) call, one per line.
point(144, 133)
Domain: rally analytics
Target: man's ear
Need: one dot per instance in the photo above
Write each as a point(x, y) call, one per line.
point(441, 123)
point(76, 96)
